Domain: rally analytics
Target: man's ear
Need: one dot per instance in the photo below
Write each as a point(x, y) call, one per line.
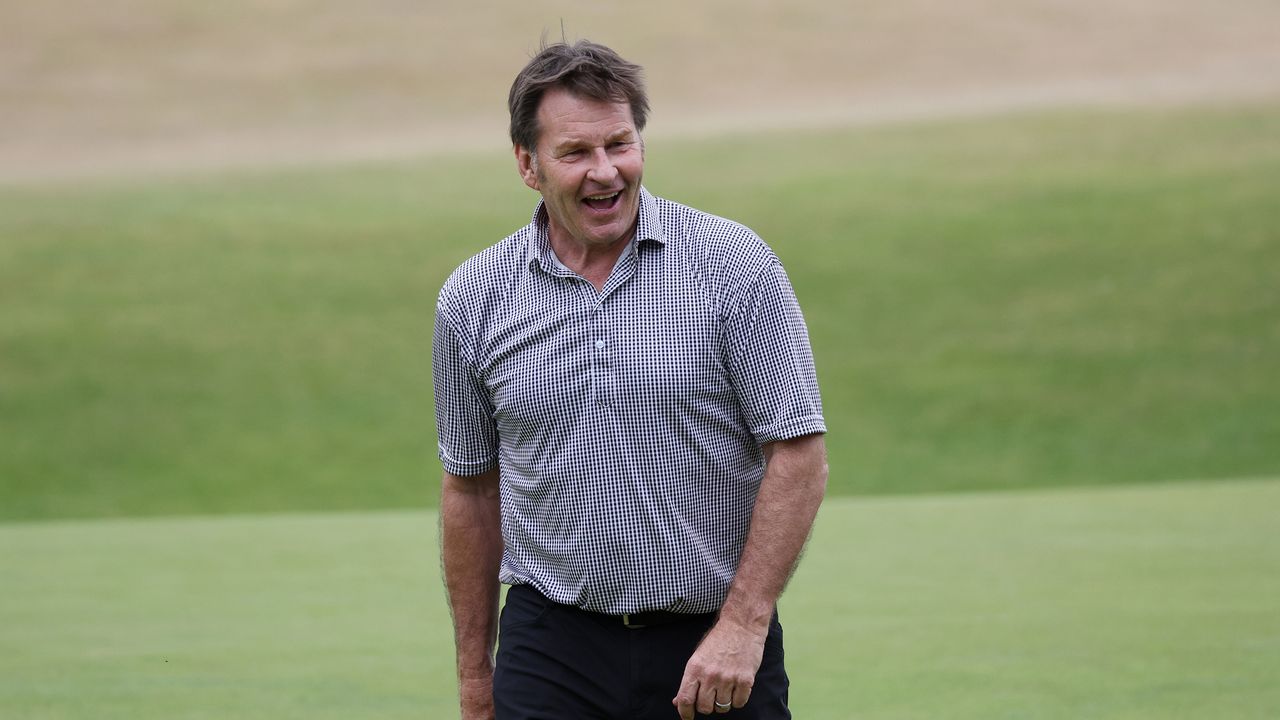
point(526, 165)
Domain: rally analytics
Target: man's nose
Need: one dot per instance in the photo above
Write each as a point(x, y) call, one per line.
point(602, 169)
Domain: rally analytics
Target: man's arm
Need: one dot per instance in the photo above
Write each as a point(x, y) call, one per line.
point(724, 666)
point(470, 553)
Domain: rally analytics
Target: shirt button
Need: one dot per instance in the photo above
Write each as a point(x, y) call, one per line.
point(599, 343)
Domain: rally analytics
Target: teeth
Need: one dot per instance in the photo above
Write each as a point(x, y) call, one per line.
point(601, 197)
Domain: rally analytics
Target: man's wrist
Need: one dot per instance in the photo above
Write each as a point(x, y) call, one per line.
point(752, 615)
point(475, 667)
point(481, 669)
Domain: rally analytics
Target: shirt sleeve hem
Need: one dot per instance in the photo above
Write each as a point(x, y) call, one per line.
point(465, 469)
point(799, 427)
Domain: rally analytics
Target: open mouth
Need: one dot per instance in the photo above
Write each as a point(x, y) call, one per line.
point(603, 202)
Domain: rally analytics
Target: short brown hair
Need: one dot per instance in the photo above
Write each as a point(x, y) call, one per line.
point(585, 69)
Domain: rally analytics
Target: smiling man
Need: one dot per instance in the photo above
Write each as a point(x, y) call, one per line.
point(630, 429)
point(587, 167)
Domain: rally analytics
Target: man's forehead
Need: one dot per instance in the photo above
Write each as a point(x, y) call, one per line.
point(563, 112)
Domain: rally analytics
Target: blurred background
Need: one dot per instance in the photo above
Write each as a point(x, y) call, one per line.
point(94, 89)
point(223, 226)
point(1036, 242)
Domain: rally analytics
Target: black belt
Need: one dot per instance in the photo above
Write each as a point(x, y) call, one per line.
point(632, 621)
point(650, 618)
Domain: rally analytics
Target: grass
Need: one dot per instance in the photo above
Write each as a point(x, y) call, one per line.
point(289, 616)
point(1052, 298)
point(1138, 602)
point(1068, 297)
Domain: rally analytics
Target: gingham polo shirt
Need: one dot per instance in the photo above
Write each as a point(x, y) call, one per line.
point(626, 424)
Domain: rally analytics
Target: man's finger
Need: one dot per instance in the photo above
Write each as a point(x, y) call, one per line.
point(706, 699)
point(741, 693)
point(724, 701)
point(686, 697)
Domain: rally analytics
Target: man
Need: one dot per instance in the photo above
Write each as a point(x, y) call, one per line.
point(630, 430)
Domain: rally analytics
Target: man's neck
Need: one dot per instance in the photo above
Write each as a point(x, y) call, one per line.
point(593, 263)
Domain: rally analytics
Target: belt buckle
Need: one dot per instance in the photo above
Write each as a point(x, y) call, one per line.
point(626, 622)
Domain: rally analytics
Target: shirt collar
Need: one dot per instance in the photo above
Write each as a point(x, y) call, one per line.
point(648, 227)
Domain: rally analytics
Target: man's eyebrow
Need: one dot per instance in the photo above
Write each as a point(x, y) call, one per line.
point(569, 144)
point(565, 146)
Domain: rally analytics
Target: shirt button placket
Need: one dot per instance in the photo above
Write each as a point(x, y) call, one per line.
point(600, 360)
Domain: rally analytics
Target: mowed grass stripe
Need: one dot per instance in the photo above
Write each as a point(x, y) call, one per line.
point(1052, 298)
point(1140, 602)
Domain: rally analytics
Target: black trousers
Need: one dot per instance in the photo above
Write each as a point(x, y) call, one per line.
point(557, 662)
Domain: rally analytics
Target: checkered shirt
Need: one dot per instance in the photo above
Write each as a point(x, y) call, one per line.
point(626, 424)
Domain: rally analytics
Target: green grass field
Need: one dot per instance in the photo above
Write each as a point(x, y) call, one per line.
point(1037, 302)
point(1053, 298)
point(1118, 603)
point(1047, 341)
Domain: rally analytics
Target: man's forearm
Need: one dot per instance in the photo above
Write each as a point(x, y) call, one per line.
point(790, 493)
point(471, 550)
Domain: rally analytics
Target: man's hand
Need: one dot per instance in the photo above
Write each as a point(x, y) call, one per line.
point(722, 670)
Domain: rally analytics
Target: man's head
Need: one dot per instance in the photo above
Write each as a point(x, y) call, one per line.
point(585, 69)
point(576, 116)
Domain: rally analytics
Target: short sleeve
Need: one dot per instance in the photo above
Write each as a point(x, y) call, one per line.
point(464, 417)
point(771, 362)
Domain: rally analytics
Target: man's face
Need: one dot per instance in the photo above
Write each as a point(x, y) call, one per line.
point(588, 166)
